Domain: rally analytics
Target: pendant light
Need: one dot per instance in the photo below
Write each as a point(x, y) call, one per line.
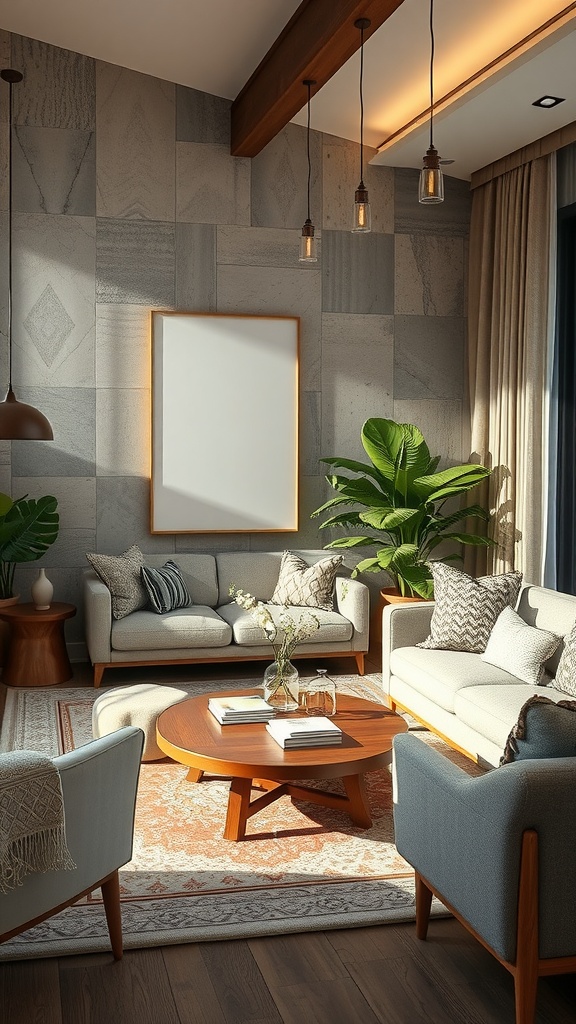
point(17, 420)
point(307, 240)
point(431, 188)
point(362, 215)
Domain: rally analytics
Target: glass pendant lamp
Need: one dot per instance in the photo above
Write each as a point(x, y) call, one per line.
point(431, 186)
point(307, 240)
point(362, 218)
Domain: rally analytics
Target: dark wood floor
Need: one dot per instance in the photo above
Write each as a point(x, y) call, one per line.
point(355, 976)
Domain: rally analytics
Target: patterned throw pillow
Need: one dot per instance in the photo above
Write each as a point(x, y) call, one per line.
point(166, 588)
point(566, 672)
point(544, 729)
point(121, 574)
point(518, 648)
point(303, 585)
point(466, 609)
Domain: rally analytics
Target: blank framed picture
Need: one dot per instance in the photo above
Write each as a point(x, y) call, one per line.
point(224, 423)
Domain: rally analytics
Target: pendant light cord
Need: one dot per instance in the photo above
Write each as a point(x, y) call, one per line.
point(431, 69)
point(361, 104)
point(308, 148)
point(10, 238)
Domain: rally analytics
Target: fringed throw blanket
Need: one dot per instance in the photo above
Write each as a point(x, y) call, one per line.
point(32, 834)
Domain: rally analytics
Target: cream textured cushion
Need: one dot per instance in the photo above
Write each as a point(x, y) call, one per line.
point(466, 609)
point(518, 648)
point(137, 705)
point(303, 585)
point(121, 574)
point(566, 672)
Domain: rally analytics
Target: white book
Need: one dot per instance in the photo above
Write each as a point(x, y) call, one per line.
point(300, 728)
point(247, 704)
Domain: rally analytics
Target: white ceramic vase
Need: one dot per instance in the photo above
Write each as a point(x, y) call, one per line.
point(42, 592)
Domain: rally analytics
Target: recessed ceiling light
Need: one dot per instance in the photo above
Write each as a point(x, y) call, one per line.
point(548, 101)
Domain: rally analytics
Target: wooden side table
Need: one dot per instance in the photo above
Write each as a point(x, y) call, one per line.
point(37, 654)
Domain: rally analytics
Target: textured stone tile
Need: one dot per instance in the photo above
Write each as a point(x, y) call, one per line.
point(280, 177)
point(341, 177)
point(357, 272)
point(357, 379)
point(135, 118)
point(54, 171)
point(53, 294)
point(122, 346)
point(212, 187)
point(122, 432)
point(209, 543)
point(196, 267)
point(5, 480)
point(201, 117)
point(123, 505)
point(264, 291)
point(452, 217)
point(58, 90)
point(69, 549)
point(76, 498)
point(5, 452)
point(135, 262)
point(429, 275)
point(440, 423)
point(261, 247)
point(429, 359)
point(310, 413)
point(72, 413)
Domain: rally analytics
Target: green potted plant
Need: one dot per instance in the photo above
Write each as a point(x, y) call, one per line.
point(398, 502)
point(27, 529)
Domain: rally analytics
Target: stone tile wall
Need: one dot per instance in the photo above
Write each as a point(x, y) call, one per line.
point(126, 198)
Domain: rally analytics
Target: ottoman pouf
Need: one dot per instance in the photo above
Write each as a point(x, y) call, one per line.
point(137, 705)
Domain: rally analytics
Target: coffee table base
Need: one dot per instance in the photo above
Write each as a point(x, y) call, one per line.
point(241, 807)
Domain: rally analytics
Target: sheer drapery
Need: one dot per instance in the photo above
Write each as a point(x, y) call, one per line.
point(511, 239)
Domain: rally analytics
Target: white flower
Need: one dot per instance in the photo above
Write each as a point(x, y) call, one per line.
point(284, 634)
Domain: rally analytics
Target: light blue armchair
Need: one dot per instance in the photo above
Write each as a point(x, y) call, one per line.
point(99, 782)
point(498, 851)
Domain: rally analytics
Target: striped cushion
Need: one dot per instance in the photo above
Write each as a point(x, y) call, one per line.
point(166, 587)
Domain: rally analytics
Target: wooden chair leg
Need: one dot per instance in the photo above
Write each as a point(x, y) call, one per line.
point(111, 897)
point(360, 662)
point(526, 968)
point(98, 673)
point(423, 904)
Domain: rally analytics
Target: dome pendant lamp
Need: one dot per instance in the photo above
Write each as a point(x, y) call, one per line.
point(307, 240)
point(18, 421)
point(362, 214)
point(431, 188)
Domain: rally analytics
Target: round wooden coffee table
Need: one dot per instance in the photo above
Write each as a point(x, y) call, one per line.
point(190, 734)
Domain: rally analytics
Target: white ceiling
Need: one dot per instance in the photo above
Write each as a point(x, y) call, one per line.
point(215, 47)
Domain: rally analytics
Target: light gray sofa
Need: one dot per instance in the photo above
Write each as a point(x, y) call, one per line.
point(214, 628)
point(469, 703)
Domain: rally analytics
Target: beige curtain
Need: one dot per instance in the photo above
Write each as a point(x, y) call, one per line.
point(510, 244)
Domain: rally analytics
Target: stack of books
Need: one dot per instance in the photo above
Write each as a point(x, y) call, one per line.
point(291, 733)
point(236, 710)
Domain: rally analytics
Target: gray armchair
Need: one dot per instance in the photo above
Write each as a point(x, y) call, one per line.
point(498, 851)
point(99, 782)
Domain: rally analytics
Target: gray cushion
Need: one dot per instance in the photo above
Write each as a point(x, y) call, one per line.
point(333, 626)
point(466, 609)
point(198, 626)
point(566, 671)
point(545, 728)
point(518, 648)
point(165, 587)
point(121, 574)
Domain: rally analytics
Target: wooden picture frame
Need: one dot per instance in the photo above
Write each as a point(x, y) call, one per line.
point(224, 423)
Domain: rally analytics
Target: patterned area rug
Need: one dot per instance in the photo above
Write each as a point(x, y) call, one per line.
point(302, 867)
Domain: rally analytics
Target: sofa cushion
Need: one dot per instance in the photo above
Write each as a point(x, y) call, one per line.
point(519, 648)
point(306, 586)
point(440, 675)
point(493, 710)
point(466, 609)
point(566, 672)
point(198, 626)
point(165, 587)
point(247, 633)
point(544, 729)
point(121, 574)
point(198, 572)
point(256, 572)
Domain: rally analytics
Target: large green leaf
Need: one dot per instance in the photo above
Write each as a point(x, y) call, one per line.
point(448, 482)
point(361, 491)
point(352, 542)
point(388, 518)
point(28, 530)
point(355, 467)
point(332, 503)
point(392, 446)
point(343, 519)
point(438, 524)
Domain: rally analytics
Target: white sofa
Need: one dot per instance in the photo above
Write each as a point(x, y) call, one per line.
point(214, 628)
point(469, 703)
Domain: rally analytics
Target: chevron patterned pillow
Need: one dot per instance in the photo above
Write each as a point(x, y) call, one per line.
point(566, 672)
point(303, 585)
point(466, 608)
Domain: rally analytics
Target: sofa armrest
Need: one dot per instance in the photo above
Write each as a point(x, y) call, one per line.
point(353, 602)
point(403, 625)
point(98, 618)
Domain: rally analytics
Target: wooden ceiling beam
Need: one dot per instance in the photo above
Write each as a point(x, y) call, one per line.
point(319, 38)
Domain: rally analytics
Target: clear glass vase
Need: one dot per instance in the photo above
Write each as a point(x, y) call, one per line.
point(320, 697)
point(281, 686)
